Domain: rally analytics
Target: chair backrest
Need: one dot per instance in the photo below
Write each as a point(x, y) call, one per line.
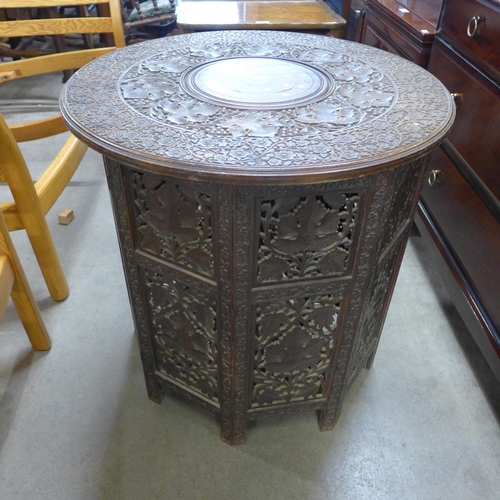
point(107, 21)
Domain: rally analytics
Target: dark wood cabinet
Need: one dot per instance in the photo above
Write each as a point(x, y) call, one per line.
point(472, 27)
point(459, 211)
point(403, 27)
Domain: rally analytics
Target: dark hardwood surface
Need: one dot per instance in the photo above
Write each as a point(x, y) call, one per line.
point(406, 28)
point(424, 9)
point(468, 226)
point(483, 49)
point(476, 129)
point(417, 16)
point(255, 14)
point(459, 216)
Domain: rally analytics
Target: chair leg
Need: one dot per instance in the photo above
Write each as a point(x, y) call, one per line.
point(38, 232)
point(22, 296)
point(47, 257)
point(6, 282)
point(28, 205)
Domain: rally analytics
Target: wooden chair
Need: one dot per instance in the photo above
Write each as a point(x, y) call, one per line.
point(32, 201)
point(13, 283)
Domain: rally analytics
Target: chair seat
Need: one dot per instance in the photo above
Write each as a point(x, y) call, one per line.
point(148, 10)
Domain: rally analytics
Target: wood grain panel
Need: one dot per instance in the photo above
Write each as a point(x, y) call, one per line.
point(478, 110)
point(210, 15)
point(56, 26)
point(54, 62)
point(469, 228)
point(483, 49)
point(18, 4)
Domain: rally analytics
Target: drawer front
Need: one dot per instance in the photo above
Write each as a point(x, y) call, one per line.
point(375, 39)
point(469, 228)
point(473, 27)
point(381, 34)
point(476, 132)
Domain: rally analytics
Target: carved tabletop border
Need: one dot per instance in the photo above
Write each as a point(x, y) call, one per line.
point(131, 106)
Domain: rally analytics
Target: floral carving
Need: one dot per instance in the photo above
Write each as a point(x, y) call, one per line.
point(294, 341)
point(334, 113)
point(184, 327)
point(367, 97)
point(369, 93)
point(174, 223)
point(171, 65)
point(401, 200)
point(354, 71)
point(252, 124)
point(240, 288)
point(159, 100)
point(305, 237)
point(143, 88)
point(182, 112)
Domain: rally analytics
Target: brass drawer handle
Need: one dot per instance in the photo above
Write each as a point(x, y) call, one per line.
point(435, 177)
point(457, 98)
point(473, 26)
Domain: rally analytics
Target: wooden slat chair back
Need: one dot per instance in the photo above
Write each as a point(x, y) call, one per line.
point(13, 283)
point(33, 200)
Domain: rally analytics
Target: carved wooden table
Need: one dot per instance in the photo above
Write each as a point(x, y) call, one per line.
point(263, 186)
point(305, 15)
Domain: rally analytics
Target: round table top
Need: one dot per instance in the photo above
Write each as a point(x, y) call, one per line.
point(244, 106)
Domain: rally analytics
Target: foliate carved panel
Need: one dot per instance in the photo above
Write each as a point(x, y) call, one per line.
point(368, 330)
point(306, 237)
point(184, 330)
point(337, 381)
point(294, 341)
point(114, 172)
point(402, 196)
point(394, 234)
point(174, 223)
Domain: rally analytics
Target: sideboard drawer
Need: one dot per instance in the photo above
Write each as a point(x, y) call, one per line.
point(469, 228)
point(391, 26)
point(476, 131)
point(391, 39)
point(473, 27)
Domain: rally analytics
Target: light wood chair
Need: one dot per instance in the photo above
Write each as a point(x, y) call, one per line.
point(13, 283)
point(33, 200)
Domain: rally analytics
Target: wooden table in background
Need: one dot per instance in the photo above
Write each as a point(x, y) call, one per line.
point(310, 16)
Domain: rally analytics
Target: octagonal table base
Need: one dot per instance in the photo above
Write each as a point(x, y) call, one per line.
point(258, 300)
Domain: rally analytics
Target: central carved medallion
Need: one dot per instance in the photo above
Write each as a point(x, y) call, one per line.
point(262, 94)
point(257, 83)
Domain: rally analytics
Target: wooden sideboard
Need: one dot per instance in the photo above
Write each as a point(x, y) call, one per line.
point(459, 211)
point(404, 27)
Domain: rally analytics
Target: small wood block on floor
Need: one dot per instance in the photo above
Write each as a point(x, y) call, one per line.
point(66, 216)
